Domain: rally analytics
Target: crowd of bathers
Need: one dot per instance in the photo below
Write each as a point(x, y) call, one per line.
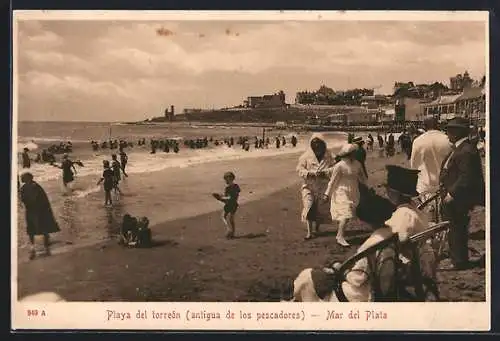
point(111, 144)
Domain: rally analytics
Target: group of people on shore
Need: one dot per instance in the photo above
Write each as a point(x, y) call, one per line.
point(111, 144)
point(111, 175)
point(447, 163)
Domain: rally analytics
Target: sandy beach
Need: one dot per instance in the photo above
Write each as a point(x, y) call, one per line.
point(192, 261)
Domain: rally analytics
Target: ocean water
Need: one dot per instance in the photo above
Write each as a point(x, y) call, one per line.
point(161, 186)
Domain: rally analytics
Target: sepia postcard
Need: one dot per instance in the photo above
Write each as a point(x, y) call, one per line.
point(250, 170)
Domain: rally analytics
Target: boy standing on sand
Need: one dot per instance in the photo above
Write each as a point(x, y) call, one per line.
point(230, 200)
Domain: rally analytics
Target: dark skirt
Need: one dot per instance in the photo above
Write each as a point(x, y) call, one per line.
point(68, 177)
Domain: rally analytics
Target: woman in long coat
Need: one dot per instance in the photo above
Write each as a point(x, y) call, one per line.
point(39, 216)
point(314, 167)
point(344, 189)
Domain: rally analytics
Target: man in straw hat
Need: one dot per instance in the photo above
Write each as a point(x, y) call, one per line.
point(463, 181)
point(428, 153)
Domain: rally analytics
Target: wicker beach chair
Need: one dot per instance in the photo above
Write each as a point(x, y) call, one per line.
point(440, 240)
point(382, 271)
point(422, 280)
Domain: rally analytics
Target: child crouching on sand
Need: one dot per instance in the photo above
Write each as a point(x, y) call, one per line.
point(230, 200)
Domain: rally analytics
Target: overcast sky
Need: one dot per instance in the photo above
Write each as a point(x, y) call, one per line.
point(123, 71)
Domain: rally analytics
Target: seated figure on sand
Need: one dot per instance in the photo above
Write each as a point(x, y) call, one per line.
point(406, 220)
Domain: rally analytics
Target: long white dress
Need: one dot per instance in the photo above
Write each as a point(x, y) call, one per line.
point(344, 188)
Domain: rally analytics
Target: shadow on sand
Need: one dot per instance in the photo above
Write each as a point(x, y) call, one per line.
point(165, 242)
point(353, 237)
point(251, 236)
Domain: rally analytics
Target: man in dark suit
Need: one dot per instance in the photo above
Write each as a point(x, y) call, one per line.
point(462, 178)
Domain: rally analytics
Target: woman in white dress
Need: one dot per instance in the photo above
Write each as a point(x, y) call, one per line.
point(314, 167)
point(343, 189)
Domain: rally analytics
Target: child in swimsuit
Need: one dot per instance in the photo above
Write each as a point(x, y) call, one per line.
point(117, 169)
point(109, 182)
point(230, 200)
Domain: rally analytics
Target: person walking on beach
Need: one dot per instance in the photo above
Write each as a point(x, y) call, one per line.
point(370, 142)
point(26, 158)
point(39, 216)
point(115, 165)
point(360, 153)
point(314, 167)
point(380, 140)
point(68, 169)
point(389, 147)
point(428, 153)
point(294, 141)
point(343, 188)
point(108, 176)
point(124, 161)
point(462, 178)
point(230, 200)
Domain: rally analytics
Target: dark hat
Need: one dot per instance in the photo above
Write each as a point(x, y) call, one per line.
point(458, 122)
point(25, 177)
point(357, 139)
point(403, 180)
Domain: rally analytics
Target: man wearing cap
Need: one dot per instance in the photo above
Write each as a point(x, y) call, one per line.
point(463, 180)
point(428, 153)
point(360, 153)
point(401, 185)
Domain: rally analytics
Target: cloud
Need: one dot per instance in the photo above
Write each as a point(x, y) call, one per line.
point(122, 70)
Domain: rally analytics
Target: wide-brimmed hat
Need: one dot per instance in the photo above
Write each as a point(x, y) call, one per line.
point(402, 180)
point(458, 122)
point(358, 139)
point(347, 149)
